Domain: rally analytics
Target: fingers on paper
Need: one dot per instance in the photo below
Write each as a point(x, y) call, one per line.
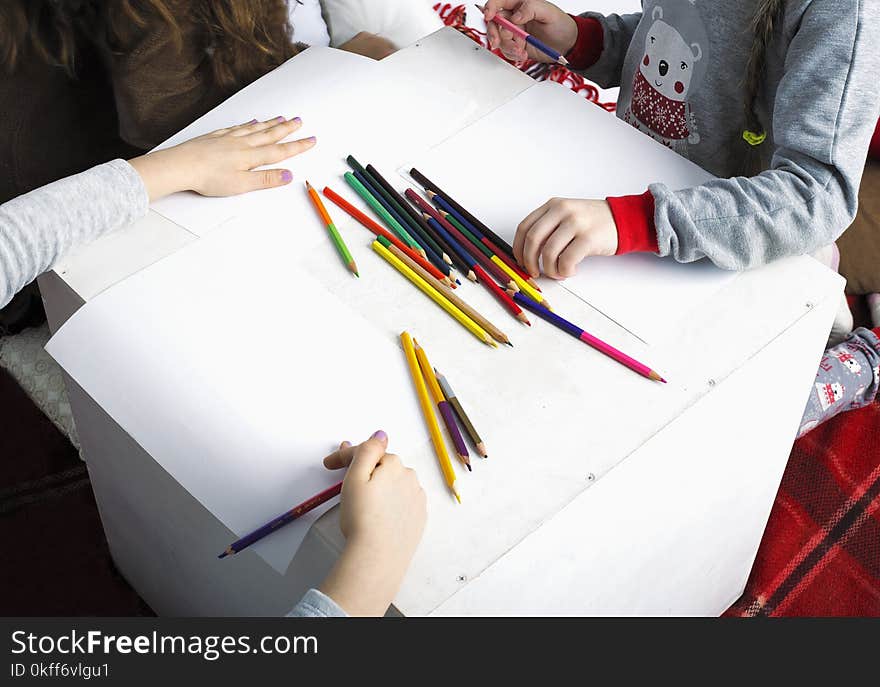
point(557, 242)
point(263, 179)
point(573, 255)
point(266, 133)
point(341, 457)
point(276, 152)
point(366, 457)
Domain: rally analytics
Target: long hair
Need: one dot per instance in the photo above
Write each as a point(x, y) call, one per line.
point(767, 17)
point(245, 38)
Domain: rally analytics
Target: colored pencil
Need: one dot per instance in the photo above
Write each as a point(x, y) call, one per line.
point(414, 264)
point(452, 399)
point(523, 285)
point(401, 206)
point(444, 205)
point(502, 296)
point(446, 411)
point(373, 187)
point(283, 519)
point(587, 338)
point(416, 217)
point(429, 185)
point(505, 23)
point(494, 332)
point(457, 248)
point(335, 236)
point(435, 295)
point(425, 250)
point(469, 249)
point(428, 413)
point(380, 211)
point(441, 274)
point(487, 258)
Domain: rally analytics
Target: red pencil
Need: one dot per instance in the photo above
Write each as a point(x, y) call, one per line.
point(378, 230)
point(502, 296)
point(466, 243)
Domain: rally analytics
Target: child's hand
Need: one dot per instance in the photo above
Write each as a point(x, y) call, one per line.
point(221, 163)
point(370, 45)
point(544, 20)
point(383, 517)
point(563, 232)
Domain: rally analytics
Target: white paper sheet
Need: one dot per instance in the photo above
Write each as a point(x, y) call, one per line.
point(235, 371)
point(349, 103)
point(550, 142)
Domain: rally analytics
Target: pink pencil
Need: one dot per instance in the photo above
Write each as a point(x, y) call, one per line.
point(527, 37)
point(587, 338)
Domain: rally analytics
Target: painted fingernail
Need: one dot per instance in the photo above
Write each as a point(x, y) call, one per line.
point(345, 444)
point(312, 139)
point(298, 120)
point(286, 176)
point(280, 119)
point(380, 435)
point(253, 121)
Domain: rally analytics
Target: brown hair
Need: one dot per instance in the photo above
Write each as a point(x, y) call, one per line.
point(767, 16)
point(246, 38)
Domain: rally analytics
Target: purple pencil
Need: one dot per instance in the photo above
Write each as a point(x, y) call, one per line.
point(445, 409)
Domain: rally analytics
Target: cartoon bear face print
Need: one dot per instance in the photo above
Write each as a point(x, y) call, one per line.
point(850, 362)
point(668, 63)
point(829, 394)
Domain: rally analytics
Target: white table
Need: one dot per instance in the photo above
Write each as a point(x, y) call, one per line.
point(670, 525)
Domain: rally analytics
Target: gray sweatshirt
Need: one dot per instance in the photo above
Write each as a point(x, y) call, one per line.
point(40, 227)
point(681, 66)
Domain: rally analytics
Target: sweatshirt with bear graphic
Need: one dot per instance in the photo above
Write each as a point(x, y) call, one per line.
point(681, 66)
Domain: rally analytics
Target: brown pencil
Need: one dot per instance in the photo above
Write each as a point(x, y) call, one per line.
point(493, 331)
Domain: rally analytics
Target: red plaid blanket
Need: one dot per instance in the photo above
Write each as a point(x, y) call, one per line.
point(820, 555)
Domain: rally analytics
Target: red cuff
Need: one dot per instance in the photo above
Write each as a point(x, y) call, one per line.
point(589, 45)
point(634, 216)
point(875, 143)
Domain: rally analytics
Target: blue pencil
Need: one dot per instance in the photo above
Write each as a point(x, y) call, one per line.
point(527, 37)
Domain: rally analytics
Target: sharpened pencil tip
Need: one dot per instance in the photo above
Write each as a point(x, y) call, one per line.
point(509, 344)
point(470, 469)
point(563, 61)
point(222, 555)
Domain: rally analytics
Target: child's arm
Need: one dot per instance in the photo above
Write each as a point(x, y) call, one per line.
point(821, 128)
point(38, 228)
point(383, 517)
point(824, 112)
point(592, 43)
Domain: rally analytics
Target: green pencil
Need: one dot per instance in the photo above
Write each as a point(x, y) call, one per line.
point(333, 231)
point(390, 222)
point(473, 239)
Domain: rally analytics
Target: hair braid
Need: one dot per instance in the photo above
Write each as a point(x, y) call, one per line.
point(767, 15)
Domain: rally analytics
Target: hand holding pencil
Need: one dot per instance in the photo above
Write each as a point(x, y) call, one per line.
point(542, 20)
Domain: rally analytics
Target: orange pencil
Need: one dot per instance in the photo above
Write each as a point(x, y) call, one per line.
point(379, 230)
point(334, 232)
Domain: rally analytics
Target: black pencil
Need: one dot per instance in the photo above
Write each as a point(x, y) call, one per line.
point(417, 219)
point(429, 185)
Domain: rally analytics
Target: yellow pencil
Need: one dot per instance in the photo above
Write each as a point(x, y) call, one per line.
point(453, 298)
point(428, 412)
point(435, 295)
point(446, 411)
point(529, 290)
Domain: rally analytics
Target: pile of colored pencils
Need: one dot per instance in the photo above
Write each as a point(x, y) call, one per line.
point(433, 389)
point(426, 238)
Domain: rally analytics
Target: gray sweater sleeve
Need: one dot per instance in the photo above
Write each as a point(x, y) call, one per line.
point(825, 110)
point(40, 227)
point(316, 605)
point(617, 32)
